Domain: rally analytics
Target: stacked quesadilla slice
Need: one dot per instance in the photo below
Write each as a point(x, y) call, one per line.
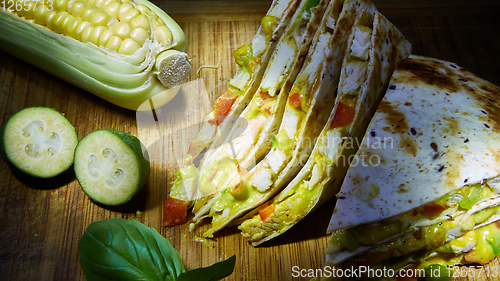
point(253, 59)
point(252, 134)
point(310, 101)
point(428, 190)
point(374, 48)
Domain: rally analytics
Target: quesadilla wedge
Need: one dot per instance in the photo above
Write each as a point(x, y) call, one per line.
point(253, 59)
point(434, 173)
point(375, 47)
point(309, 104)
point(251, 136)
point(479, 246)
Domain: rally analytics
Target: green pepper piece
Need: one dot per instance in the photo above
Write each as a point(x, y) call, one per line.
point(472, 198)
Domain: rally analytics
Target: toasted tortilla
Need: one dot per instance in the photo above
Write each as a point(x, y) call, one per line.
point(433, 140)
point(364, 79)
point(435, 131)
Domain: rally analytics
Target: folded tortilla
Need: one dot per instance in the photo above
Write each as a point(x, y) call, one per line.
point(429, 170)
point(251, 136)
point(309, 104)
point(375, 47)
point(241, 89)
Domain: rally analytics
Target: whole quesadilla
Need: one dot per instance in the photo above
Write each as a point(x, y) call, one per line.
point(375, 47)
point(253, 59)
point(429, 171)
point(309, 104)
point(251, 136)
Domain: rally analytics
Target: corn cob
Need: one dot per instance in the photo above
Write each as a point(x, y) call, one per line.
point(125, 52)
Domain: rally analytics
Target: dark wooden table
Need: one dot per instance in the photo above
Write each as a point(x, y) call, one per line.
point(42, 220)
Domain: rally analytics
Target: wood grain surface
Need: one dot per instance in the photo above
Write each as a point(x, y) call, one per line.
point(41, 221)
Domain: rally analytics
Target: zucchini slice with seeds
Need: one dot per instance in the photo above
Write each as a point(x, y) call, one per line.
point(38, 141)
point(110, 166)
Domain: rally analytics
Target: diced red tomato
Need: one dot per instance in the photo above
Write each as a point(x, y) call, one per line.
point(175, 212)
point(264, 95)
point(344, 115)
point(266, 212)
point(294, 100)
point(242, 171)
point(267, 107)
point(477, 257)
point(222, 106)
point(267, 102)
point(432, 210)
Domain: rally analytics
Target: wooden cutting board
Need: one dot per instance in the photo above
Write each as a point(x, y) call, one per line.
point(42, 220)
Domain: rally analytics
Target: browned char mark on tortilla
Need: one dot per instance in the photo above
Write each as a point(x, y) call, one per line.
point(451, 78)
point(429, 73)
point(399, 126)
point(487, 95)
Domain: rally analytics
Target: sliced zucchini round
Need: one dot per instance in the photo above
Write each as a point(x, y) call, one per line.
point(110, 166)
point(38, 141)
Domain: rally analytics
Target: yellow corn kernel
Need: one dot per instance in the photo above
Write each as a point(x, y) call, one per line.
point(105, 36)
point(48, 19)
point(96, 33)
point(78, 7)
point(84, 37)
point(139, 35)
point(81, 28)
point(57, 22)
point(129, 15)
point(73, 26)
point(99, 3)
point(99, 18)
point(122, 30)
point(156, 21)
point(69, 3)
point(30, 9)
point(112, 8)
point(141, 21)
point(162, 34)
point(19, 12)
point(40, 14)
point(91, 2)
point(144, 9)
point(125, 7)
point(60, 5)
point(112, 22)
point(65, 24)
point(102, 3)
point(114, 43)
point(87, 14)
point(128, 47)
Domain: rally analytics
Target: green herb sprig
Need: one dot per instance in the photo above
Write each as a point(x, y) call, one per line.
point(119, 249)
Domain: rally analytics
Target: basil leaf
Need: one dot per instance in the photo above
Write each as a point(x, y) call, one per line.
point(215, 272)
point(118, 249)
